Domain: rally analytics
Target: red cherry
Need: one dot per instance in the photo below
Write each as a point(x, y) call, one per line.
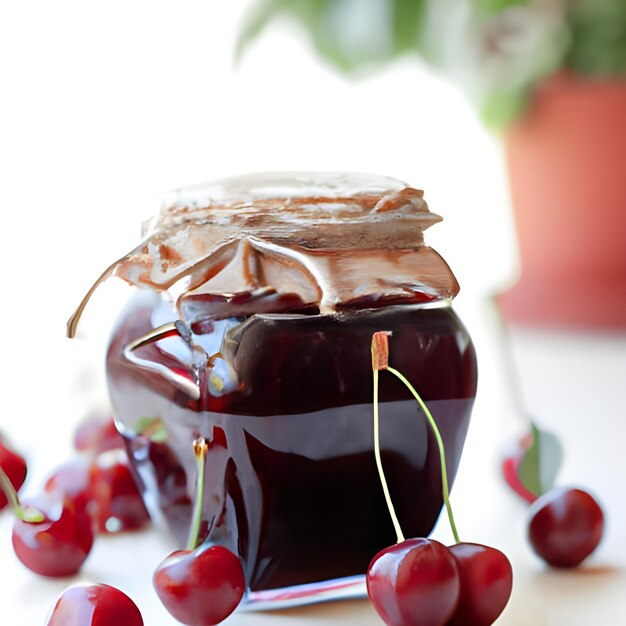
point(116, 503)
point(200, 587)
point(565, 526)
point(97, 434)
point(14, 467)
point(71, 480)
point(414, 583)
point(486, 583)
point(94, 605)
point(58, 545)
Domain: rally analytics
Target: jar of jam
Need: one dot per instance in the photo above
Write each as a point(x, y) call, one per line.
point(251, 326)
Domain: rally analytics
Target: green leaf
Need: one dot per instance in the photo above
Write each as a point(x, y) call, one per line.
point(347, 37)
point(408, 19)
point(255, 22)
point(541, 462)
point(598, 37)
point(495, 7)
point(588, 36)
point(499, 108)
point(342, 31)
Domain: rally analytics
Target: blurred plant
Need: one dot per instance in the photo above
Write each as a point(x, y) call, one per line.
point(496, 50)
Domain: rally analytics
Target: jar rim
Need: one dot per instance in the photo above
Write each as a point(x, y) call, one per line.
point(266, 185)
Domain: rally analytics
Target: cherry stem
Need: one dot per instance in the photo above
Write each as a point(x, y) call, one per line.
point(379, 464)
point(442, 452)
point(200, 449)
point(26, 514)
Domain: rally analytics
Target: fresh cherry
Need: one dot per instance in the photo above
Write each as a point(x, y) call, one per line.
point(200, 587)
point(97, 434)
point(58, 544)
point(486, 579)
point(565, 526)
point(105, 488)
point(14, 467)
point(414, 583)
point(94, 605)
point(116, 503)
point(71, 480)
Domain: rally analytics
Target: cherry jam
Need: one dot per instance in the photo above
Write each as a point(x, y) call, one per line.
point(251, 326)
point(291, 480)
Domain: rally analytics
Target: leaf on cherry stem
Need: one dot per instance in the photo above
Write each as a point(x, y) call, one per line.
point(540, 462)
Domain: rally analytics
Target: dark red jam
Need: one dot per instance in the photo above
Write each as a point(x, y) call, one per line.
point(291, 479)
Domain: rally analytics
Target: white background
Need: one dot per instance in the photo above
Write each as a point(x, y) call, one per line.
point(103, 105)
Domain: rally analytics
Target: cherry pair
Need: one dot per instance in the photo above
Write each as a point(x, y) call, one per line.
point(420, 582)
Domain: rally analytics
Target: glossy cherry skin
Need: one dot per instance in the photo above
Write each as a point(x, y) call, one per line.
point(565, 526)
point(14, 467)
point(200, 587)
point(59, 544)
point(414, 583)
point(486, 579)
point(94, 605)
point(116, 504)
point(71, 480)
point(97, 434)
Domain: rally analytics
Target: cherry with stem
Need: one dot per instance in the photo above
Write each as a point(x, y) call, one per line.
point(468, 584)
point(14, 467)
point(27, 514)
point(202, 585)
point(51, 539)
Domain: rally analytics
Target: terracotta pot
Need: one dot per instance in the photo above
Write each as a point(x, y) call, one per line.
point(567, 168)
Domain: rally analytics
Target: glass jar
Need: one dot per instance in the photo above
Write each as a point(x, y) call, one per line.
point(265, 292)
